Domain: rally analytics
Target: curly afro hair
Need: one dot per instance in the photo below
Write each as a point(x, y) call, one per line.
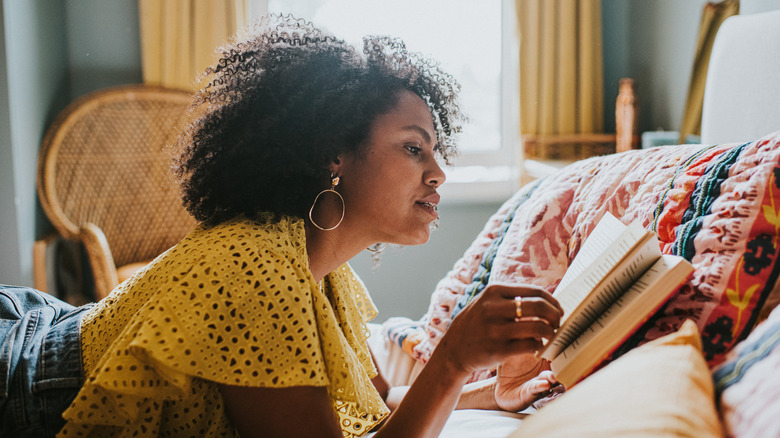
point(280, 106)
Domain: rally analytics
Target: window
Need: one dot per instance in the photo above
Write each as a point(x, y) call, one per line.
point(475, 42)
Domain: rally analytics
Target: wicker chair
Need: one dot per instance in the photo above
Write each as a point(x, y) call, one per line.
point(103, 178)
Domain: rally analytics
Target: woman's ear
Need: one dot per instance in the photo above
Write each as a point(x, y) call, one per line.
point(343, 162)
point(335, 166)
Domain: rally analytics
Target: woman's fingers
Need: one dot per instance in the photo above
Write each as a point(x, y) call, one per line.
point(529, 328)
point(525, 291)
point(521, 302)
point(533, 307)
point(489, 329)
point(523, 345)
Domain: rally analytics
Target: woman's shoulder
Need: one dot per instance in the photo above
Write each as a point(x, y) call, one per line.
point(233, 249)
point(266, 233)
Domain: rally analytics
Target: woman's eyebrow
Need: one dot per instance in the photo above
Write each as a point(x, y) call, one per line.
point(416, 128)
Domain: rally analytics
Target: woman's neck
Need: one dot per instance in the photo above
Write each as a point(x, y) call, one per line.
point(328, 250)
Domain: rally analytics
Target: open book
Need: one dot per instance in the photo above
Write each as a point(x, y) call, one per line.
point(618, 279)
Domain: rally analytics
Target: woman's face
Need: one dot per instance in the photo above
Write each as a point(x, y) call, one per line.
point(389, 189)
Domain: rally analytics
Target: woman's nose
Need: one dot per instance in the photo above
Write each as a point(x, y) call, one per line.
point(435, 176)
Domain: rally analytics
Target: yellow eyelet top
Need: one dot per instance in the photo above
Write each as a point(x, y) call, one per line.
point(233, 304)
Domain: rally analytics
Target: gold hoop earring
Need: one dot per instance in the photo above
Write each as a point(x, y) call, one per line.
point(334, 181)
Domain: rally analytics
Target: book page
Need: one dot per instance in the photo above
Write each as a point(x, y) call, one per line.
point(604, 234)
point(621, 319)
point(612, 286)
point(613, 256)
point(606, 245)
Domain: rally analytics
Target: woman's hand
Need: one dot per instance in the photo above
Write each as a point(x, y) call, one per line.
point(488, 330)
point(523, 380)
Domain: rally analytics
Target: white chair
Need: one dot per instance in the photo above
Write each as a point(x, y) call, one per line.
point(742, 94)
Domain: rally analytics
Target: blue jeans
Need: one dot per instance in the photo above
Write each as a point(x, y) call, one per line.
point(40, 361)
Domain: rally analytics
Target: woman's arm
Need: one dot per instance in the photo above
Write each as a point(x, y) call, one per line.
point(306, 411)
point(475, 395)
point(428, 402)
point(301, 411)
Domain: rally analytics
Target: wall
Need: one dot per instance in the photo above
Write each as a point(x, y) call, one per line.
point(53, 51)
point(103, 44)
point(402, 283)
point(9, 241)
point(32, 84)
point(653, 42)
point(755, 6)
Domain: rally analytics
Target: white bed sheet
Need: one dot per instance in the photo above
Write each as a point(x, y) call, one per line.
point(473, 423)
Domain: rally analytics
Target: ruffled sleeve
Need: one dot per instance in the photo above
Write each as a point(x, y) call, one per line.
point(353, 308)
point(236, 324)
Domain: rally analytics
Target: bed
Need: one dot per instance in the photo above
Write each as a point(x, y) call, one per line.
point(704, 363)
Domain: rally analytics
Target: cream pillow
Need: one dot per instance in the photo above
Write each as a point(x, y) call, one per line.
point(662, 388)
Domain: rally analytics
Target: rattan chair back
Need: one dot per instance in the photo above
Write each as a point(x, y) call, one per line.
point(104, 162)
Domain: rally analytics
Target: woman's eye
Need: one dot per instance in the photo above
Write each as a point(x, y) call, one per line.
point(413, 149)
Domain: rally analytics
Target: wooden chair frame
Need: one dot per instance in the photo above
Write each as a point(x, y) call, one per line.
point(103, 177)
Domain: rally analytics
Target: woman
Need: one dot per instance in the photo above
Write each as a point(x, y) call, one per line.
point(305, 153)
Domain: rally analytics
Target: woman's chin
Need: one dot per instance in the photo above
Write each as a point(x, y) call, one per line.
point(418, 234)
point(419, 239)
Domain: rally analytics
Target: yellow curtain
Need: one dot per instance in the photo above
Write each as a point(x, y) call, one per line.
point(561, 72)
point(713, 15)
point(179, 38)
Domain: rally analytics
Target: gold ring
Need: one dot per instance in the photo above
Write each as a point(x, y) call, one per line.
point(518, 307)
